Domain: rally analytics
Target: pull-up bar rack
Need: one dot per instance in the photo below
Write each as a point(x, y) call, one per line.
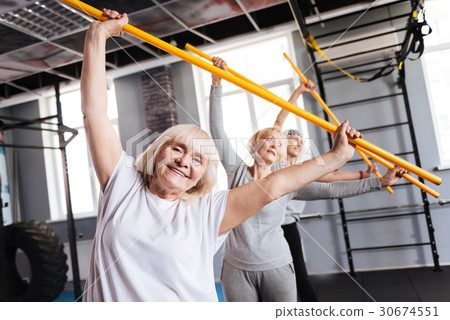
point(303, 28)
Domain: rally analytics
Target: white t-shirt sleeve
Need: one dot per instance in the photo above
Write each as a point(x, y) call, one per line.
point(123, 180)
point(215, 203)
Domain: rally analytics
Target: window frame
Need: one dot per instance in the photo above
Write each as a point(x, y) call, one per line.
point(444, 163)
point(53, 161)
point(291, 82)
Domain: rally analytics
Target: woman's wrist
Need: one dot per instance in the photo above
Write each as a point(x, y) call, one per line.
point(334, 159)
point(95, 32)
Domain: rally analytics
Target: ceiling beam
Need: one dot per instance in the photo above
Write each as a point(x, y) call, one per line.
point(201, 35)
point(21, 88)
point(247, 14)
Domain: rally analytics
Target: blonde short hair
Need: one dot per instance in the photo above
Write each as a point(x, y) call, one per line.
point(187, 134)
point(261, 134)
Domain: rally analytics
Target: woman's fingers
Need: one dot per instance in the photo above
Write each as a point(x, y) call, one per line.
point(113, 26)
point(353, 133)
point(311, 86)
point(400, 171)
point(112, 14)
point(218, 62)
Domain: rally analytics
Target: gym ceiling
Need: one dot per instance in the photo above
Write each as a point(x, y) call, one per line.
point(43, 40)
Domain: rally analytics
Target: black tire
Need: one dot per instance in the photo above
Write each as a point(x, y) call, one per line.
point(47, 259)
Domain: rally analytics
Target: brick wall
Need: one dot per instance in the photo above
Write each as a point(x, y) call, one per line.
point(160, 107)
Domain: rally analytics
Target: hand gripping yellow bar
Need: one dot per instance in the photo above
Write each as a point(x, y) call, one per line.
point(406, 176)
point(207, 57)
point(265, 94)
point(331, 115)
point(358, 149)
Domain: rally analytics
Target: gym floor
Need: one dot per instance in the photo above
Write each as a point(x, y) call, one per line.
point(399, 285)
point(396, 285)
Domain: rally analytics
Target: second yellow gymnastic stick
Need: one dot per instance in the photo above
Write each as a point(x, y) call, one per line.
point(265, 94)
point(331, 115)
point(207, 57)
point(358, 149)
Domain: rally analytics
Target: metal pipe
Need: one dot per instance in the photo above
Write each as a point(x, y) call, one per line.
point(360, 53)
point(393, 246)
point(387, 216)
point(321, 215)
point(363, 25)
point(357, 66)
point(399, 154)
point(338, 14)
point(384, 126)
point(247, 14)
point(365, 100)
point(359, 72)
point(364, 38)
point(70, 221)
point(28, 146)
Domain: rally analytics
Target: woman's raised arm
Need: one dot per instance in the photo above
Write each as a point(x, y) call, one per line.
point(228, 156)
point(104, 144)
point(247, 199)
point(302, 88)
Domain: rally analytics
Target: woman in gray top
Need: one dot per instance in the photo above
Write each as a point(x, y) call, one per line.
point(257, 262)
point(291, 232)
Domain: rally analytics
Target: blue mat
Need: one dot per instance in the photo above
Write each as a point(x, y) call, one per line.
point(67, 296)
point(220, 292)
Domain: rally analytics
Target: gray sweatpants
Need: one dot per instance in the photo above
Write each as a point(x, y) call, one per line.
point(275, 285)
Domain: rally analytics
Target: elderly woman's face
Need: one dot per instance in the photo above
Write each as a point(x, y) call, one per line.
point(295, 143)
point(179, 167)
point(269, 148)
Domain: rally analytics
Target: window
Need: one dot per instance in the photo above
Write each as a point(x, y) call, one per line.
point(83, 183)
point(436, 69)
point(244, 113)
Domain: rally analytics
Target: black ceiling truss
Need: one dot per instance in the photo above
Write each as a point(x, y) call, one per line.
point(59, 27)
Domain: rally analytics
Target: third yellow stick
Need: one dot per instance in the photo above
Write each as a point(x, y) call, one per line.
point(332, 116)
point(360, 150)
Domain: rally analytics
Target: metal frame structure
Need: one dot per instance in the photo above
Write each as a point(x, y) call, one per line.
point(61, 129)
point(303, 28)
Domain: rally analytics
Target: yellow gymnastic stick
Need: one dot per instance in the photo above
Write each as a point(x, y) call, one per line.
point(207, 57)
point(405, 175)
point(331, 115)
point(265, 94)
point(358, 149)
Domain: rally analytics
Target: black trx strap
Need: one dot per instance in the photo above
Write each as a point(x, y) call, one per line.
point(417, 28)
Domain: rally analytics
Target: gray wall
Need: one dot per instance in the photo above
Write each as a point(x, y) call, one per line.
point(183, 83)
point(323, 238)
point(33, 196)
point(130, 107)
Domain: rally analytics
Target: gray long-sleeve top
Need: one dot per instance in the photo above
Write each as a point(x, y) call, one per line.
point(258, 244)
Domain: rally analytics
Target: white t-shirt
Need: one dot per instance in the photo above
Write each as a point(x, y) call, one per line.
point(150, 249)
